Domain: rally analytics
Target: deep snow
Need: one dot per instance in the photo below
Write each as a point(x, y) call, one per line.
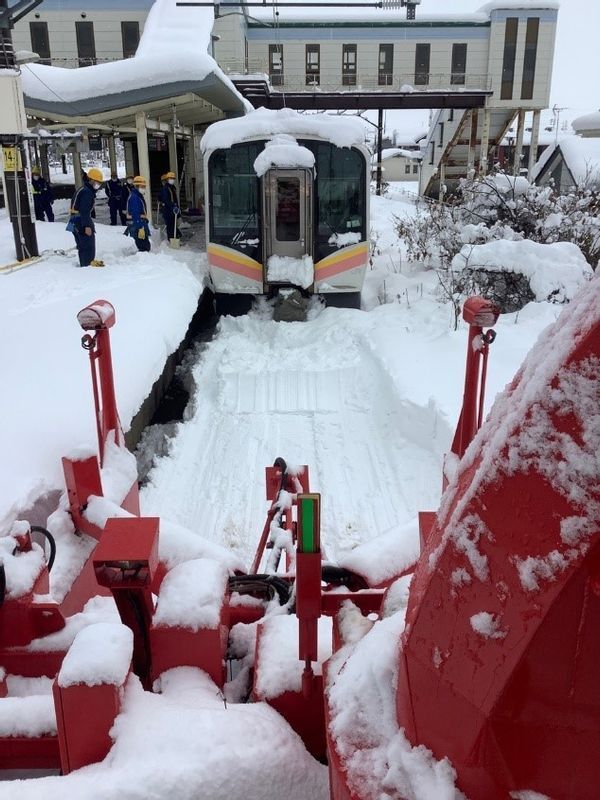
point(367, 400)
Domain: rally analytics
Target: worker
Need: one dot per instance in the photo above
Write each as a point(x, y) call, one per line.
point(81, 223)
point(169, 205)
point(42, 196)
point(137, 216)
point(87, 182)
point(127, 187)
point(114, 192)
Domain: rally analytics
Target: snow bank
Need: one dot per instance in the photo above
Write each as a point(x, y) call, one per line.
point(155, 296)
point(555, 271)
point(379, 759)
point(100, 654)
point(279, 667)
point(285, 269)
point(264, 123)
point(283, 151)
point(191, 595)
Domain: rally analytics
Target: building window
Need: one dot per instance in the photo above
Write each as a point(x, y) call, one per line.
point(313, 64)
point(386, 64)
point(276, 64)
point(40, 42)
point(349, 65)
point(422, 56)
point(529, 58)
point(459, 64)
point(415, 169)
point(407, 169)
point(86, 45)
point(130, 36)
point(441, 140)
point(432, 155)
point(508, 61)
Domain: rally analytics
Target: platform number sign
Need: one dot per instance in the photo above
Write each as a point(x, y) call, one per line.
point(11, 159)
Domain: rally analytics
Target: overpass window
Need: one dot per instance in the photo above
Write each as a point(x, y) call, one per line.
point(86, 45)
point(276, 64)
point(386, 64)
point(349, 65)
point(130, 34)
point(508, 61)
point(422, 58)
point(459, 64)
point(313, 64)
point(530, 56)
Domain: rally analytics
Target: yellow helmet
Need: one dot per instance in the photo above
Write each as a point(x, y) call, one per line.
point(139, 180)
point(36, 171)
point(163, 177)
point(170, 175)
point(94, 174)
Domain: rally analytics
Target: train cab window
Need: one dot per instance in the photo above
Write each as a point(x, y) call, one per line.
point(234, 197)
point(341, 194)
point(287, 211)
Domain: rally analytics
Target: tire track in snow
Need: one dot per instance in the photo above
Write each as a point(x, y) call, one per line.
point(313, 393)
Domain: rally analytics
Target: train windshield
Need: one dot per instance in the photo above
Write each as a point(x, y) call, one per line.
point(341, 202)
point(234, 197)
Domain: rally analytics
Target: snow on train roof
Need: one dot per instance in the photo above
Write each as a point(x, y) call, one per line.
point(263, 123)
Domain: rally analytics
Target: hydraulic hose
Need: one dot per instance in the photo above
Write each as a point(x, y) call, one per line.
point(50, 540)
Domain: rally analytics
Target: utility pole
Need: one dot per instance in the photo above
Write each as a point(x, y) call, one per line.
point(13, 124)
point(379, 149)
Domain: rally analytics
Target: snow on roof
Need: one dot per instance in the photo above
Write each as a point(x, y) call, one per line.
point(581, 155)
point(395, 152)
point(173, 48)
point(263, 123)
point(283, 151)
point(588, 122)
point(100, 654)
point(498, 5)
point(555, 271)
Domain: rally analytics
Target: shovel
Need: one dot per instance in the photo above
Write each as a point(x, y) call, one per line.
point(174, 242)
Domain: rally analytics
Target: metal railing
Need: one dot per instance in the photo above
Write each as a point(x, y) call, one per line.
point(334, 80)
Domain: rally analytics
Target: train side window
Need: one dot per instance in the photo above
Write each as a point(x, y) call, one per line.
point(341, 192)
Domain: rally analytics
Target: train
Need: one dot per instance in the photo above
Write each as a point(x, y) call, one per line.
point(287, 206)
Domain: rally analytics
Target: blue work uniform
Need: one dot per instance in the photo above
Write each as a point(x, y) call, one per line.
point(137, 220)
point(82, 207)
point(42, 198)
point(169, 207)
point(114, 192)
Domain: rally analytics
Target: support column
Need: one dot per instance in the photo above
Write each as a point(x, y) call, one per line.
point(112, 154)
point(191, 179)
point(199, 158)
point(173, 162)
point(519, 142)
point(44, 165)
point(144, 158)
point(77, 170)
point(533, 145)
point(442, 174)
point(379, 148)
point(485, 143)
point(129, 160)
point(472, 141)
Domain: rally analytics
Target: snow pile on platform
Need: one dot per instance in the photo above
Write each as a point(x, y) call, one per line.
point(284, 152)
point(279, 669)
point(285, 269)
point(100, 654)
point(264, 123)
point(192, 595)
point(555, 271)
point(378, 758)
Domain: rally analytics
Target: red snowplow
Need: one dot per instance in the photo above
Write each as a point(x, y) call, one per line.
point(496, 669)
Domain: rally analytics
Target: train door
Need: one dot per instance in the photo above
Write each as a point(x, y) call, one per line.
point(287, 206)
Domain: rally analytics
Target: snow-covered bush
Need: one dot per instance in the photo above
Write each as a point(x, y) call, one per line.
point(501, 207)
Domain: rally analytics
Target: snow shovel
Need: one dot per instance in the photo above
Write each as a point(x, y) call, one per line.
point(174, 242)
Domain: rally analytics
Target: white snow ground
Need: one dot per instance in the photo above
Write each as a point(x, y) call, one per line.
point(368, 400)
